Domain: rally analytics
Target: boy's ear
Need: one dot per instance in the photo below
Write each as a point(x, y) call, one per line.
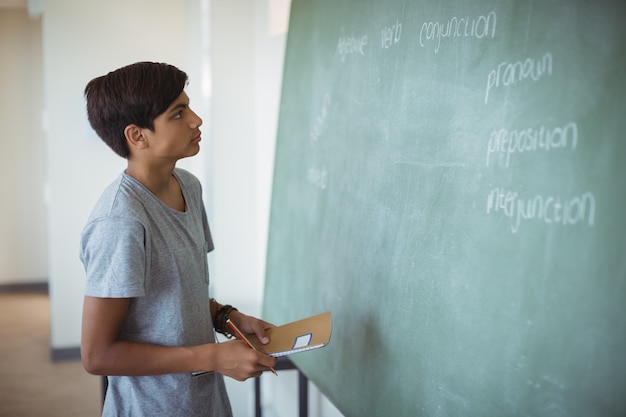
point(134, 137)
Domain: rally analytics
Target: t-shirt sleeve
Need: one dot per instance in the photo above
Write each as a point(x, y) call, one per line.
point(114, 254)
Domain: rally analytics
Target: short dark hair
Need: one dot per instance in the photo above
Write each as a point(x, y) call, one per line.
point(134, 94)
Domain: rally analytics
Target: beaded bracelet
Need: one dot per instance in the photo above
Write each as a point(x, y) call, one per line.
point(219, 321)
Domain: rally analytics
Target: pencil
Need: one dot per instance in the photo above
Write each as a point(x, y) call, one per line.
point(245, 339)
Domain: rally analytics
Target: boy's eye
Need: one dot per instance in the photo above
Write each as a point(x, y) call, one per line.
point(178, 110)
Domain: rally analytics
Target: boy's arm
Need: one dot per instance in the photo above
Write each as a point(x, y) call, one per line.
point(103, 353)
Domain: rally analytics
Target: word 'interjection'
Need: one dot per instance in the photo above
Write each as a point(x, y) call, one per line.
point(547, 209)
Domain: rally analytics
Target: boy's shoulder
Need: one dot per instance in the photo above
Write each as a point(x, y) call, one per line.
point(121, 198)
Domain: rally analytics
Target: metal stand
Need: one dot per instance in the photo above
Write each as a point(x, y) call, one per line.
point(303, 389)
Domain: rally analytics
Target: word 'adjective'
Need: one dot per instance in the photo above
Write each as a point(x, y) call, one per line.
point(350, 46)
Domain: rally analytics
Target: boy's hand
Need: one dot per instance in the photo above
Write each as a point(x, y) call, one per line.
point(250, 325)
point(236, 360)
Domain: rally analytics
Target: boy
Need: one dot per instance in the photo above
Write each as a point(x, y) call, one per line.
point(148, 322)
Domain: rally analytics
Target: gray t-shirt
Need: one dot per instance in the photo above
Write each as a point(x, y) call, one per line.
point(134, 246)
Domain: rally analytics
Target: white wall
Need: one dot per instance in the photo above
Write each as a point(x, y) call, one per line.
point(23, 257)
point(81, 40)
point(236, 277)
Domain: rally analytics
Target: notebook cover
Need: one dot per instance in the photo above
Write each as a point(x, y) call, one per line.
point(298, 336)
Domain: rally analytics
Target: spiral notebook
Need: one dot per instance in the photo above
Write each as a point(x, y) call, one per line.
point(298, 336)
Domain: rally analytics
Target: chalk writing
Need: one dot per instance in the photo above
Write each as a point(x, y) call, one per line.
point(390, 35)
point(318, 177)
point(549, 209)
point(320, 120)
point(504, 143)
point(458, 27)
point(507, 74)
point(350, 45)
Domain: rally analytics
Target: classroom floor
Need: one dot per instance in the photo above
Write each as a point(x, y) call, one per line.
point(30, 384)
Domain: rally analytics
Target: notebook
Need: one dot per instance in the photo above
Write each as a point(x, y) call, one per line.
point(298, 336)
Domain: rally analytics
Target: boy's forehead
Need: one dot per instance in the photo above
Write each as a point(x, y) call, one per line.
point(181, 99)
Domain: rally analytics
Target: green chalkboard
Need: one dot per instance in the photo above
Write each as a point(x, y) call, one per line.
point(450, 182)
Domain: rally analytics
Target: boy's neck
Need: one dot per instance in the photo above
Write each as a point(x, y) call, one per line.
point(161, 182)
